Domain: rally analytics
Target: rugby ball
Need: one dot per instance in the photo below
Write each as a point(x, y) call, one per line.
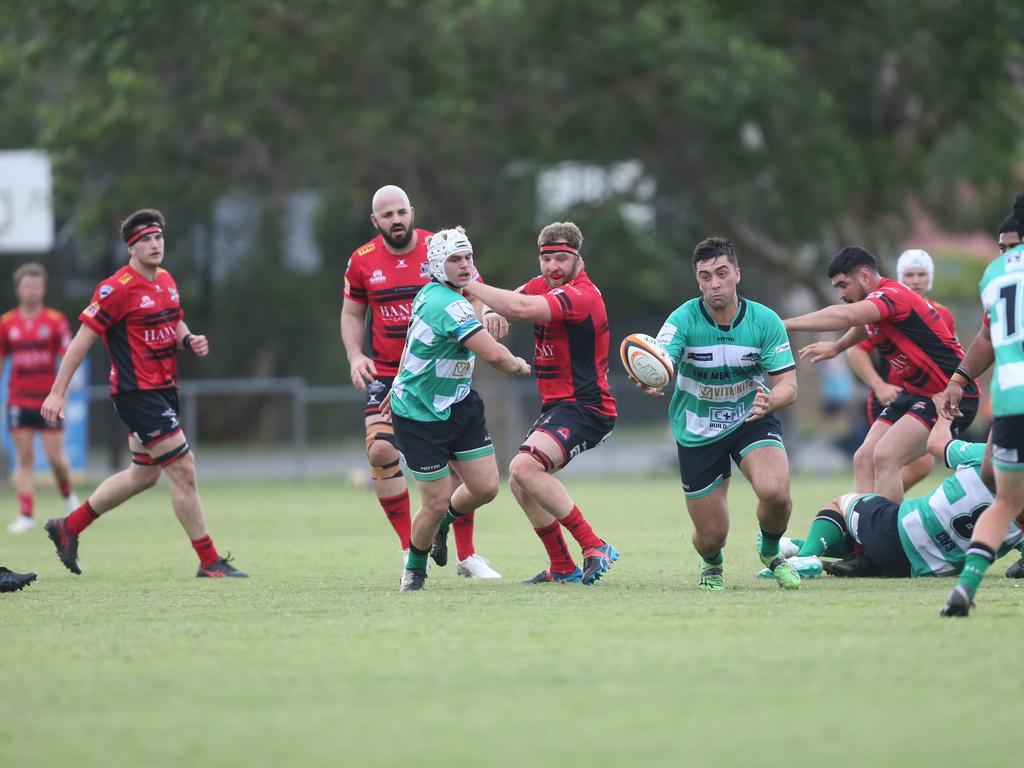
point(646, 361)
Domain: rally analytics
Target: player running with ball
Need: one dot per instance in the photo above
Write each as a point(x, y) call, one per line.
point(724, 347)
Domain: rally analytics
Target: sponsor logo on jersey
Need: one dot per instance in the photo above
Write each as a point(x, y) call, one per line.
point(146, 302)
point(364, 250)
point(724, 418)
point(701, 357)
point(171, 416)
point(919, 406)
point(159, 335)
point(563, 432)
point(43, 332)
point(751, 357)
point(91, 310)
point(543, 350)
point(105, 290)
point(173, 292)
point(124, 279)
point(782, 347)
point(377, 277)
point(400, 264)
point(724, 392)
point(395, 311)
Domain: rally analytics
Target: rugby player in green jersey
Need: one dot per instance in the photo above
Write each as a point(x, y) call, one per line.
point(926, 536)
point(734, 369)
point(438, 418)
point(1002, 295)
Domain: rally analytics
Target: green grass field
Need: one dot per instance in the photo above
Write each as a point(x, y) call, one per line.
point(318, 661)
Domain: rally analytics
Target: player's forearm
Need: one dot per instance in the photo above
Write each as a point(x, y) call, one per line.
point(980, 355)
point(72, 359)
point(860, 362)
point(851, 338)
point(181, 331)
point(512, 305)
point(353, 333)
point(782, 395)
point(833, 318)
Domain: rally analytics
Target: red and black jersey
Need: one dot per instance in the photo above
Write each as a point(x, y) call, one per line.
point(891, 373)
point(34, 344)
point(388, 283)
point(570, 352)
point(911, 334)
point(138, 320)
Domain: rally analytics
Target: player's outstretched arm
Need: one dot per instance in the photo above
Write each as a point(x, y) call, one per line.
point(825, 350)
point(835, 318)
point(511, 304)
point(486, 348)
point(939, 438)
point(53, 406)
point(495, 324)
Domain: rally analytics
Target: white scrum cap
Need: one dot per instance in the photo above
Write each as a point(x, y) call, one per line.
point(442, 245)
point(915, 258)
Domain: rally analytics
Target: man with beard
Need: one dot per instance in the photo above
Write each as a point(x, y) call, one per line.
point(384, 275)
point(910, 333)
point(578, 412)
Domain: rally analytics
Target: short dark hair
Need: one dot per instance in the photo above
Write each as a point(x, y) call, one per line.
point(1009, 224)
point(850, 259)
point(711, 248)
point(1018, 213)
point(140, 219)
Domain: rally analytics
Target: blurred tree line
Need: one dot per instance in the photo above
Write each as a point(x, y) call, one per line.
point(793, 128)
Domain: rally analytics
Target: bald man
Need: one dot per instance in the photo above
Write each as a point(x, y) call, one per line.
point(383, 276)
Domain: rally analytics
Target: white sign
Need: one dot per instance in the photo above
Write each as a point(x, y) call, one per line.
point(26, 201)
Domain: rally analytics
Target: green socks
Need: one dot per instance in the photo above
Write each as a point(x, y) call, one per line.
point(712, 562)
point(827, 536)
point(417, 559)
point(979, 558)
point(769, 546)
point(449, 517)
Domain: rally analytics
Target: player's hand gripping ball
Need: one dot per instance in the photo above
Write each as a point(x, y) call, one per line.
point(646, 361)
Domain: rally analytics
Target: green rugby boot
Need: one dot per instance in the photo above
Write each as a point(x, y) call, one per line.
point(782, 571)
point(710, 577)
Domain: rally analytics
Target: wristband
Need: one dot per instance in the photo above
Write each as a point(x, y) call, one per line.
point(186, 342)
point(962, 377)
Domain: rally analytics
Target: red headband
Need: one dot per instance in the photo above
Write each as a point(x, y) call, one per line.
point(149, 229)
point(549, 248)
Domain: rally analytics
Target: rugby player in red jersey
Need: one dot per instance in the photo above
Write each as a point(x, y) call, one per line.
point(916, 270)
point(578, 411)
point(34, 336)
point(909, 332)
point(381, 279)
point(137, 313)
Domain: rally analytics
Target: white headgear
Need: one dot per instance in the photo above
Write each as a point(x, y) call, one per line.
point(442, 245)
point(916, 258)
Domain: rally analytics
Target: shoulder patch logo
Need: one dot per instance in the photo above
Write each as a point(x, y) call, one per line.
point(124, 279)
point(106, 290)
point(366, 249)
point(91, 310)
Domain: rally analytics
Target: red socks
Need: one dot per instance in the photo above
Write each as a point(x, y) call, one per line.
point(206, 551)
point(580, 529)
point(80, 519)
point(65, 488)
point(397, 510)
point(25, 504)
point(553, 541)
point(462, 526)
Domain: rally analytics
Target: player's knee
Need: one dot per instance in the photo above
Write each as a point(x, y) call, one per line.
point(776, 497)
point(381, 453)
point(527, 463)
point(486, 491)
point(864, 457)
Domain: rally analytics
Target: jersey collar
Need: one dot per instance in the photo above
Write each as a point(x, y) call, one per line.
point(741, 312)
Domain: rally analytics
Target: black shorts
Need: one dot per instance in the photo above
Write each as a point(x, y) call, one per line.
point(922, 408)
point(376, 391)
point(575, 427)
point(874, 522)
point(1008, 443)
point(150, 414)
point(19, 417)
point(428, 446)
point(874, 408)
point(704, 467)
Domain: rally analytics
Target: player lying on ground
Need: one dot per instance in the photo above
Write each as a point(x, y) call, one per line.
point(925, 536)
point(438, 418)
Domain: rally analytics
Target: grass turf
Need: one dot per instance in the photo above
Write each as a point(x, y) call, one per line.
point(318, 661)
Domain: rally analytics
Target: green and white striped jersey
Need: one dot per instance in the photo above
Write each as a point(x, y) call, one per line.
point(935, 530)
point(719, 368)
point(1002, 295)
point(437, 370)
